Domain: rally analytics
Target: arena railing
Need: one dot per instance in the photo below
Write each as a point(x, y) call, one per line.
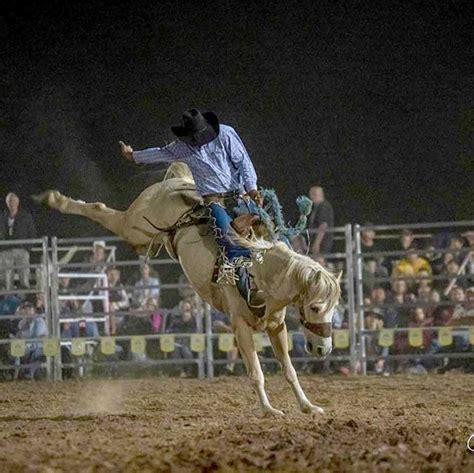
point(350, 339)
point(420, 231)
point(30, 283)
point(107, 343)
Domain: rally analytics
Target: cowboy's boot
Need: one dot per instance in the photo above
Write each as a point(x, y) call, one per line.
point(254, 297)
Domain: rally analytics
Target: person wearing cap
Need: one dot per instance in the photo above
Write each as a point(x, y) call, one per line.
point(223, 173)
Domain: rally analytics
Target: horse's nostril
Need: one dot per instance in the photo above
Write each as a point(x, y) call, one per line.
point(309, 345)
point(319, 351)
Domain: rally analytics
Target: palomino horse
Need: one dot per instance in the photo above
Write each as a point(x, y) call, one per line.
point(285, 276)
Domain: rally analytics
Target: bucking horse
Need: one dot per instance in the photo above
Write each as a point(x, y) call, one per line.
point(167, 213)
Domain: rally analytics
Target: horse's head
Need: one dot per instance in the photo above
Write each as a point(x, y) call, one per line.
point(316, 308)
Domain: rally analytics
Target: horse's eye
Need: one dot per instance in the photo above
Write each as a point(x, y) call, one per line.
point(315, 308)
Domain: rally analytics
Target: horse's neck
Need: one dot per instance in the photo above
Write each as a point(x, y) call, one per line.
point(273, 274)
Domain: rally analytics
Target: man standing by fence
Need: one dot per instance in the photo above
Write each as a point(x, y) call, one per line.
point(320, 219)
point(16, 224)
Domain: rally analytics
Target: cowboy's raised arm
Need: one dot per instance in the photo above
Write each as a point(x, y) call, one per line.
point(149, 155)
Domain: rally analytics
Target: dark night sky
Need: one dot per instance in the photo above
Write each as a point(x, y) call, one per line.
point(371, 100)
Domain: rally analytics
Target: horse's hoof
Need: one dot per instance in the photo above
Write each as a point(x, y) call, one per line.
point(271, 412)
point(312, 409)
point(41, 198)
point(47, 198)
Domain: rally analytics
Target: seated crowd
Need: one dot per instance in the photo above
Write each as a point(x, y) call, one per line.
point(419, 285)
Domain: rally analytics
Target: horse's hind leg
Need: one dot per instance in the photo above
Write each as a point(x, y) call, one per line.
point(279, 339)
point(244, 336)
point(99, 212)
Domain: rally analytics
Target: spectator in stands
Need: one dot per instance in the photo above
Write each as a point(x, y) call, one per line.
point(367, 239)
point(320, 219)
point(456, 244)
point(378, 297)
point(32, 326)
point(453, 315)
point(118, 298)
point(400, 295)
point(99, 256)
point(147, 320)
point(374, 322)
point(183, 322)
point(221, 324)
point(16, 224)
point(421, 320)
point(463, 314)
point(424, 283)
point(371, 271)
point(411, 267)
point(444, 315)
point(452, 273)
point(447, 258)
point(469, 239)
point(8, 306)
point(435, 297)
point(407, 240)
point(457, 297)
point(434, 258)
point(187, 292)
point(156, 316)
point(143, 287)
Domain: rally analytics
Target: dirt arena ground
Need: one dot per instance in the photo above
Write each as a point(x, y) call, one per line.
point(397, 424)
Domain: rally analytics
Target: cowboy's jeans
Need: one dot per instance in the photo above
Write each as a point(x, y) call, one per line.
point(220, 225)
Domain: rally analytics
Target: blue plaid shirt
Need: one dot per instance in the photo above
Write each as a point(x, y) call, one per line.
point(222, 165)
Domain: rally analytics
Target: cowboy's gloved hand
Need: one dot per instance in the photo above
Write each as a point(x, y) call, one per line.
point(126, 150)
point(256, 197)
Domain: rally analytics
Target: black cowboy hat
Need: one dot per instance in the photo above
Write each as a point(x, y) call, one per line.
point(197, 128)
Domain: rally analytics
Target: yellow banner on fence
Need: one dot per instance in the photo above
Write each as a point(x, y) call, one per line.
point(137, 345)
point(445, 336)
point(17, 348)
point(415, 337)
point(167, 343)
point(50, 347)
point(341, 338)
point(258, 341)
point(107, 345)
point(198, 342)
point(290, 341)
point(78, 346)
point(226, 342)
point(471, 335)
point(386, 337)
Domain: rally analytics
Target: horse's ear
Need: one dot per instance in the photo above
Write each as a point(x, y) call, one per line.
point(339, 276)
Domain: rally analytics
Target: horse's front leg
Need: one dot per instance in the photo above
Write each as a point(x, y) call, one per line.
point(244, 337)
point(279, 340)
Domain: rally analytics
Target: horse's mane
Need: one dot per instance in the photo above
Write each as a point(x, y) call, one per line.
point(313, 277)
point(305, 272)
